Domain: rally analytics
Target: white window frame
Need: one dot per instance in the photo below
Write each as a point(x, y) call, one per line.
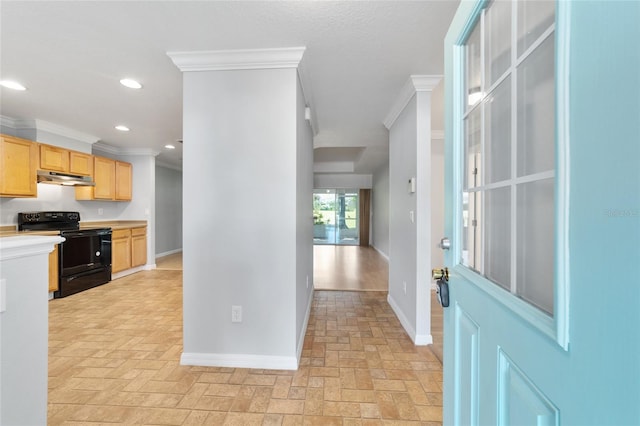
point(556, 326)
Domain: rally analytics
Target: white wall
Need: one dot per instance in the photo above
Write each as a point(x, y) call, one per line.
point(437, 202)
point(410, 241)
point(143, 203)
point(304, 227)
point(168, 210)
point(341, 181)
point(437, 175)
point(240, 172)
point(380, 210)
point(437, 107)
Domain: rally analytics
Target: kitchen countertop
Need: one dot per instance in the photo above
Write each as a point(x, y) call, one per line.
point(12, 230)
point(114, 224)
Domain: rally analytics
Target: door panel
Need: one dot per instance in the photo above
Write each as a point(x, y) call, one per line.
point(466, 359)
point(520, 401)
point(567, 351)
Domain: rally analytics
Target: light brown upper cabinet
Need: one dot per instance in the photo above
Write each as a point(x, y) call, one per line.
point(63, 160)
point(54, 158)
point(80, 164)
point(123, 181)
point(104, 174)
point(18, 164)
point(112, 178)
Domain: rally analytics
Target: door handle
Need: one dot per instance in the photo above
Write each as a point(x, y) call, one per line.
point(441, 275)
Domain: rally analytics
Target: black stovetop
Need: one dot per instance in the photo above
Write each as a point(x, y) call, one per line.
point(52, 221)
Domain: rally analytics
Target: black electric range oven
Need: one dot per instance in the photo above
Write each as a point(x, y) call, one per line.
point(84, 258)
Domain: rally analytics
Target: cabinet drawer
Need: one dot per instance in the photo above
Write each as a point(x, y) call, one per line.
point(138, 231)
point(120, 233)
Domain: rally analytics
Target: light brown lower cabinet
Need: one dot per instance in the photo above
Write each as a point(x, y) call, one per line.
point(128, 248)
point(138, 246)
point(120, 250)
point(53, 269)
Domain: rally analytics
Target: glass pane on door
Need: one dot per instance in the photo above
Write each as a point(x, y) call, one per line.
point(508, 136)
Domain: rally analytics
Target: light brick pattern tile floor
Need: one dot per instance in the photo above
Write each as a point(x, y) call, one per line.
point(114, 358)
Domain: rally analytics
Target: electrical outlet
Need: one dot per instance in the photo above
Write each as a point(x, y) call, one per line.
point(236, 313)
point(404, 286)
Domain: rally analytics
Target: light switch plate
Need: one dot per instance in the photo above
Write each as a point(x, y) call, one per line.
point(236, 313)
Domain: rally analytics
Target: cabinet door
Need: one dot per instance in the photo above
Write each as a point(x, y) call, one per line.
point(18, 164)
point(138, 246)
point(121, 250)
point(104, 175)
point(123, 181)
point(80, 164)
point(54, 158)
point(53, 269)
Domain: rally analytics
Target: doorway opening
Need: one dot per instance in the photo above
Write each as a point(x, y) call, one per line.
point(336, 218)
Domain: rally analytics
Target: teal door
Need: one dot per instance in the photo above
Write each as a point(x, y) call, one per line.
point(543, 213)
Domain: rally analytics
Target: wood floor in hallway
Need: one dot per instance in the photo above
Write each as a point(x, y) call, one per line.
point(114, 358)
point(349, 268)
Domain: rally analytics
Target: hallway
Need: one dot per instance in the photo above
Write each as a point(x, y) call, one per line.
point(355, 268)
point(114, 357)
point(338, 267)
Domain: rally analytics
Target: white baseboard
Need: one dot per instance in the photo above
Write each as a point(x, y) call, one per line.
point(167, 253)
point(418, 339)
point(383, 254)
point(240, 361)
point(126, 272)
point(303, 331)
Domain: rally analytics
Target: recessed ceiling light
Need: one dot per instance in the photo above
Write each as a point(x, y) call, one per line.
point(12, 85)
point(170, 146)
point(122, 128)
point(130, 83)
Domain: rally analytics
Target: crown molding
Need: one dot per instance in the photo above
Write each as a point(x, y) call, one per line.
point(103, 147)
point(168, 165)
point(114, 150)
point(7, 121)
point(55, 129)
point(139, 151)
point(243, 59)
point(416, 83)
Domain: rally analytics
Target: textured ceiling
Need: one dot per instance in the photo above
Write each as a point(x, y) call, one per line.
point(71, 56)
